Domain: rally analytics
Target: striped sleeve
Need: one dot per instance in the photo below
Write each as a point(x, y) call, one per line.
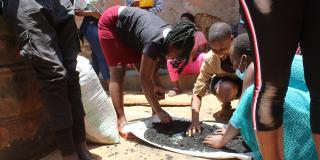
point(158, 7)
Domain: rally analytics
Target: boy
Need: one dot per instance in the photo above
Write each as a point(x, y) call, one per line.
point(224, 83)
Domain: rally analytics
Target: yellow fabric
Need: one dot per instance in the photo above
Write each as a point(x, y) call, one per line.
point(211, 66)
point(146, 3)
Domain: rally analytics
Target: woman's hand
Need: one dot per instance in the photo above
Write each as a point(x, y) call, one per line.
point(159, 92)
point(163, 116)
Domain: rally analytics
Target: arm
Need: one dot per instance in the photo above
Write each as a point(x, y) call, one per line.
point(195, 126)
point(87, 13)
point(158, 89)
point(220, 140)
point(155, 77)
point(199, 91)
point(202, 41)
point(199, 45)
point(146, 77)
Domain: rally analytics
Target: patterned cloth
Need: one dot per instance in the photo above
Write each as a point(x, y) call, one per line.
point(298, 142)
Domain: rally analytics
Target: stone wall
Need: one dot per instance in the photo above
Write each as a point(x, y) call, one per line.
point(223, 10)
point(206, 12)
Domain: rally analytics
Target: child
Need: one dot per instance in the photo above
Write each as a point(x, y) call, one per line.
point(196, 58)
point(216, 66)
point(296, 104)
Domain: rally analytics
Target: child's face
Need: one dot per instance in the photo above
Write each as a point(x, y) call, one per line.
point(222, 47)
point(172, 53)
point(235, 59)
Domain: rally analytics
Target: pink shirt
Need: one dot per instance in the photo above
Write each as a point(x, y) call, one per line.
point(199, 40)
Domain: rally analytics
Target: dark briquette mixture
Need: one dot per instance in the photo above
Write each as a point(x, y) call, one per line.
point(174, 135)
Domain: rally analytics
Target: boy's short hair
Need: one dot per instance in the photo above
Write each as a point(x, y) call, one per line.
point(242, 46)
point(189, 16)
point(219, 31)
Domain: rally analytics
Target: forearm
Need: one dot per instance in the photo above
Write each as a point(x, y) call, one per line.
point(88, 14)
point(195, 107)
point(156, 76)
point(229, 134)
point(148, 89)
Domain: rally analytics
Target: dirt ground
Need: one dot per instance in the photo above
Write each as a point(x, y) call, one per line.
point(138, 150)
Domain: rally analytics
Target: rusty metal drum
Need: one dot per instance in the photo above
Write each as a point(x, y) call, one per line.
point(23, 131)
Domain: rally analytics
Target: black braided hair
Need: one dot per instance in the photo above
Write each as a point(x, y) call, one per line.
point(182, 38)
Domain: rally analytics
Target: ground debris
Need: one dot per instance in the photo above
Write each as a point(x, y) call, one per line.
point(174, 135)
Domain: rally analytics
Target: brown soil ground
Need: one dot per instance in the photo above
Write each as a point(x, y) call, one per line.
point(138, 150)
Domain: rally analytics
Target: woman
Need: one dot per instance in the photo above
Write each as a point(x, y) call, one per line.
point(129, 35)
point(296, 124)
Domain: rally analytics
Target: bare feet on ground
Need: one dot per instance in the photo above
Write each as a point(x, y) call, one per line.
point(223, 115)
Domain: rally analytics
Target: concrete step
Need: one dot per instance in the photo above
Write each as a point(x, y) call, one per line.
point(132, 81)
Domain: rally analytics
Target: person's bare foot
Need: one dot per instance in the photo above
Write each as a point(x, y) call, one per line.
point(122, 132)
point(83, 152)
point(174, 92)
point(223, 115)
point(121, 122)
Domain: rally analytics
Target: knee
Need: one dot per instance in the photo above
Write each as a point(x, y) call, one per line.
point(269, 108)
point(226, 91)
point(117, 73)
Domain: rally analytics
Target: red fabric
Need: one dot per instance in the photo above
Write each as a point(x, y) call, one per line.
point(114, 50)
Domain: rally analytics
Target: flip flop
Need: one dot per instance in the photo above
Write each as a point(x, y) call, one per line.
point(127, 135)
point(174, 91)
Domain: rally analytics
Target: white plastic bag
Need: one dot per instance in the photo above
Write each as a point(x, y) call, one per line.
point(100, 119)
